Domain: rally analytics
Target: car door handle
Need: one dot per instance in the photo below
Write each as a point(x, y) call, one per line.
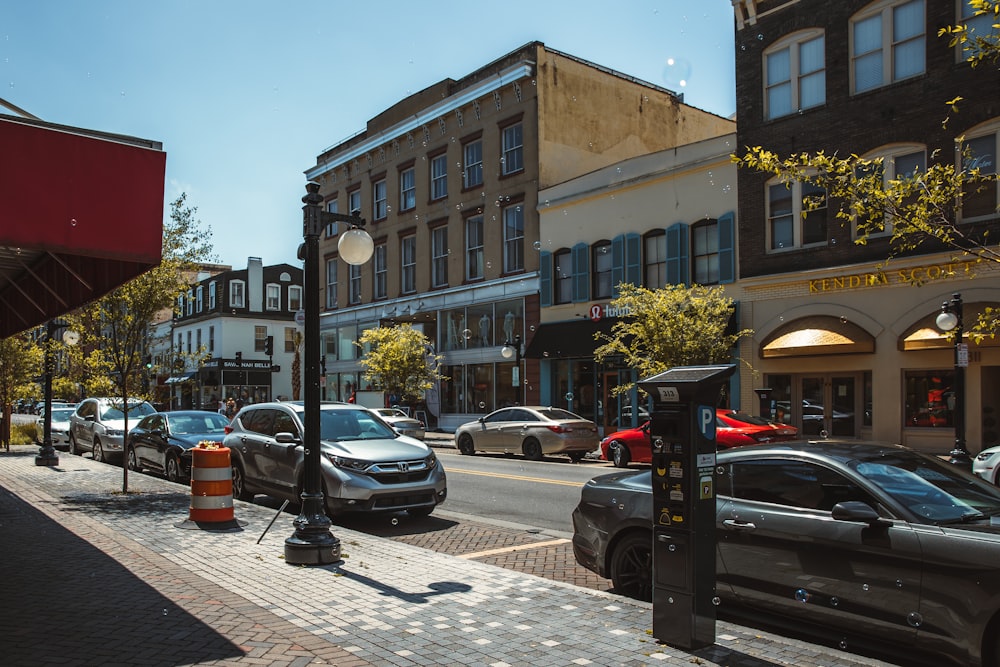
point(736, 524)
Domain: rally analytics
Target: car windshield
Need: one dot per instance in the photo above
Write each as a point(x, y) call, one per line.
point(208, 423)
point(340, 425)
point(134, 410)
point(930, 488)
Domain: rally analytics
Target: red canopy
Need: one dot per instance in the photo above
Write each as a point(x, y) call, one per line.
point(81, 212)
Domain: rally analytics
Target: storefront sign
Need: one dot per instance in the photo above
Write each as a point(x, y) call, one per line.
point(916, 275)
point(599, 311)
point(234, 364)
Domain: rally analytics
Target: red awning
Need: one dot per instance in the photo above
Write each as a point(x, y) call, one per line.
point(81, 212)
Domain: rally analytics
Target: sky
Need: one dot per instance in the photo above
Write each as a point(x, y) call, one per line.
point(244, 95)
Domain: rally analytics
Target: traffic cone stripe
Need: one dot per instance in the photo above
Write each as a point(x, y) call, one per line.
point(211, 485)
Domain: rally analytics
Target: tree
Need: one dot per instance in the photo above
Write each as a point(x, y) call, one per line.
point(297, 366)
point(20, 362)
point(922, 207)
point(117, 327)
point(400, 361)
point(672, 326)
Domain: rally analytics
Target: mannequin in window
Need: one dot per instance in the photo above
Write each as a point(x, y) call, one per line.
point(508, 326)
point(484, 329)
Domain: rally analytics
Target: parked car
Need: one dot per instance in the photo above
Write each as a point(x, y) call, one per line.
point(872, 542)
point(162, 441)
point(59, 426)
point(98, 426)
point(366, 466)
point(402, 422)
point(532, 430)
point(732, 429)
point(987, 465)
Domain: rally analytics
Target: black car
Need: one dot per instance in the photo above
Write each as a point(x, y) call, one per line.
point(162, 441)
point(877, 543)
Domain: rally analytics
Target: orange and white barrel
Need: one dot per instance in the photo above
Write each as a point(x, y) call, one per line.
point(211, 485)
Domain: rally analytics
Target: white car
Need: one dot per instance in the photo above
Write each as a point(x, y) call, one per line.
point(401, 422)
point(98, 426)
point(987, 465)
point(60, 425)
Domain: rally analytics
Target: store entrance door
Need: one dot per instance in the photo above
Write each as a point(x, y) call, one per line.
point(829, 404)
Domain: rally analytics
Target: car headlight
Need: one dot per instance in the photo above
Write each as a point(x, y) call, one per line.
point(114, 431)
point(986, 456)
point(431, 460)
point(348, 463)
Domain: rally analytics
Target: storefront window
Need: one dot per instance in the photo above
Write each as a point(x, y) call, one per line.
point(509, 321)
point(781, 397)
point(346, 335)
point(479, 388)
point(506, 391)
point(452, 389)
point(480, 322)
point(930, 398)
point(456, 330)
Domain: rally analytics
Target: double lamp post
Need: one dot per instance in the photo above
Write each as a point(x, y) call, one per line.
point(950, 320)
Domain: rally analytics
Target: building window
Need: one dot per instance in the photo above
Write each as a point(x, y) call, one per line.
point(199, 298)
point(294, 298)
point(439, 256)
point(273, 298)
point(211, 340)
point(979, 199)
point(354, 202)
point(898, 163)
point(354, 284)
point(407, 189)
point(332, 206)
point(381, 288)
point(474, 248)
point(439, 177)
point(237, 294)
point(198, 348)
point(601, 261)
point(705, 252)
point(331, 283)
point(259, 338)
point(562, 267)
point(473, 170)
point(930, 398)
point(655, 257)
point(211, 295)
point(795, 75)
point(513, 149)
point(190, 302)
point(790, 223)
point(977, 26)
point(189, 348)
point(290, 339)
point(887, 44)
point(380, 203)
point(513, 239)
point(408, 264)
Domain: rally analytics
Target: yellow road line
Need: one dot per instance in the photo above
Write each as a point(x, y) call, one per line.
point(521, 477)
point(519, 547)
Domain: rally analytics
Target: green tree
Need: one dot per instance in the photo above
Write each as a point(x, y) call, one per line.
point(20, 362)
point(671, 326)
point(116, 329)
point(921, 207)
point(398, 361)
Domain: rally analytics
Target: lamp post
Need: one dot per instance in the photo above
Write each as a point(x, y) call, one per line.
point(513, 349)
point(47, 454)
point(312, 543)
point(950, 319)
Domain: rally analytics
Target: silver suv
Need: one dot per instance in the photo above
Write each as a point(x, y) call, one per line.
point(366, 465)
point(98, 426)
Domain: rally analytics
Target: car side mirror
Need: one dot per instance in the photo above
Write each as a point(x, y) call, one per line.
point(855, 510)
point(90, 418)
point(287, 438)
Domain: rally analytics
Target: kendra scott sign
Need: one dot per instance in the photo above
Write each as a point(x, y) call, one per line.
point(912, 276)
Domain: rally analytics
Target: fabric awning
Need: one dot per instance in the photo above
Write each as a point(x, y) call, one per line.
point(186, 377)
point(81, 213)
point(817, 335)
point(567, 339)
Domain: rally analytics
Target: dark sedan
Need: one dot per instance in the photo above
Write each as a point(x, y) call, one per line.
point(162, 441)
point(873, 542)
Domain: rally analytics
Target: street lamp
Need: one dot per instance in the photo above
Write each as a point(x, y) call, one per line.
point(47, 454)
point(950, 319)
point(513, 349)
point(312, 543)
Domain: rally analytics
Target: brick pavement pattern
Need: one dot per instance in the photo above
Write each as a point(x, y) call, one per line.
point(94, 576)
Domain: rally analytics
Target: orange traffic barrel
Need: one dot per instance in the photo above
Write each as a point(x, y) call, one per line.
point(211, 485)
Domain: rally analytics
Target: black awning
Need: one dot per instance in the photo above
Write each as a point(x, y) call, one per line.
point(567, 339)
point(185, 377)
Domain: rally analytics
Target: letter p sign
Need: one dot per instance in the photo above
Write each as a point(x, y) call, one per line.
point(706, 422)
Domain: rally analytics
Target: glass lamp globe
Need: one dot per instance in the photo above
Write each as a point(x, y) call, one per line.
point(356, 246)
point(946, 321)
point(506, 351)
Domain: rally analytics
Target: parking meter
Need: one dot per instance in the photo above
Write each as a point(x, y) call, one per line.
point(682, 433)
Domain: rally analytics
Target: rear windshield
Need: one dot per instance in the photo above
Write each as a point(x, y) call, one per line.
point(747, 419)
point(558, 414)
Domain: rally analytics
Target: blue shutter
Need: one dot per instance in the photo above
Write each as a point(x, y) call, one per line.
point(677, 254)
point(617, 263)
point(727, 249)
point(545, 278)
point(633, 259)
point(581, 272)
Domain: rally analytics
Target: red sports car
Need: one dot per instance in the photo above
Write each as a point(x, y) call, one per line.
point(732, 429)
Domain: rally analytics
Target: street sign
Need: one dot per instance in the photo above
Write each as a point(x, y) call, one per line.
point(963, 355)
point(300, 317)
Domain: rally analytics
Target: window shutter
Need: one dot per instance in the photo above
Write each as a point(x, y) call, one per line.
point(581, 272)
point(617, 263)
point(727, 249)
point(633, 259)
point(545, 278)
point(677, 254)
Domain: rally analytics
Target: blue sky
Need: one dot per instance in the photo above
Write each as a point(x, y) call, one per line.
point(244, 95)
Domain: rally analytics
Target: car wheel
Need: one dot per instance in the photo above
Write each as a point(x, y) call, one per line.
point(632, 567)
point(98, 451)
point(532, 449)
point(576, 457)
point(620, 455)
point(133, 460)
point(424, 510)
point(73, 449)
point(173, 468)
point(465, 445)
point(240, 484)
